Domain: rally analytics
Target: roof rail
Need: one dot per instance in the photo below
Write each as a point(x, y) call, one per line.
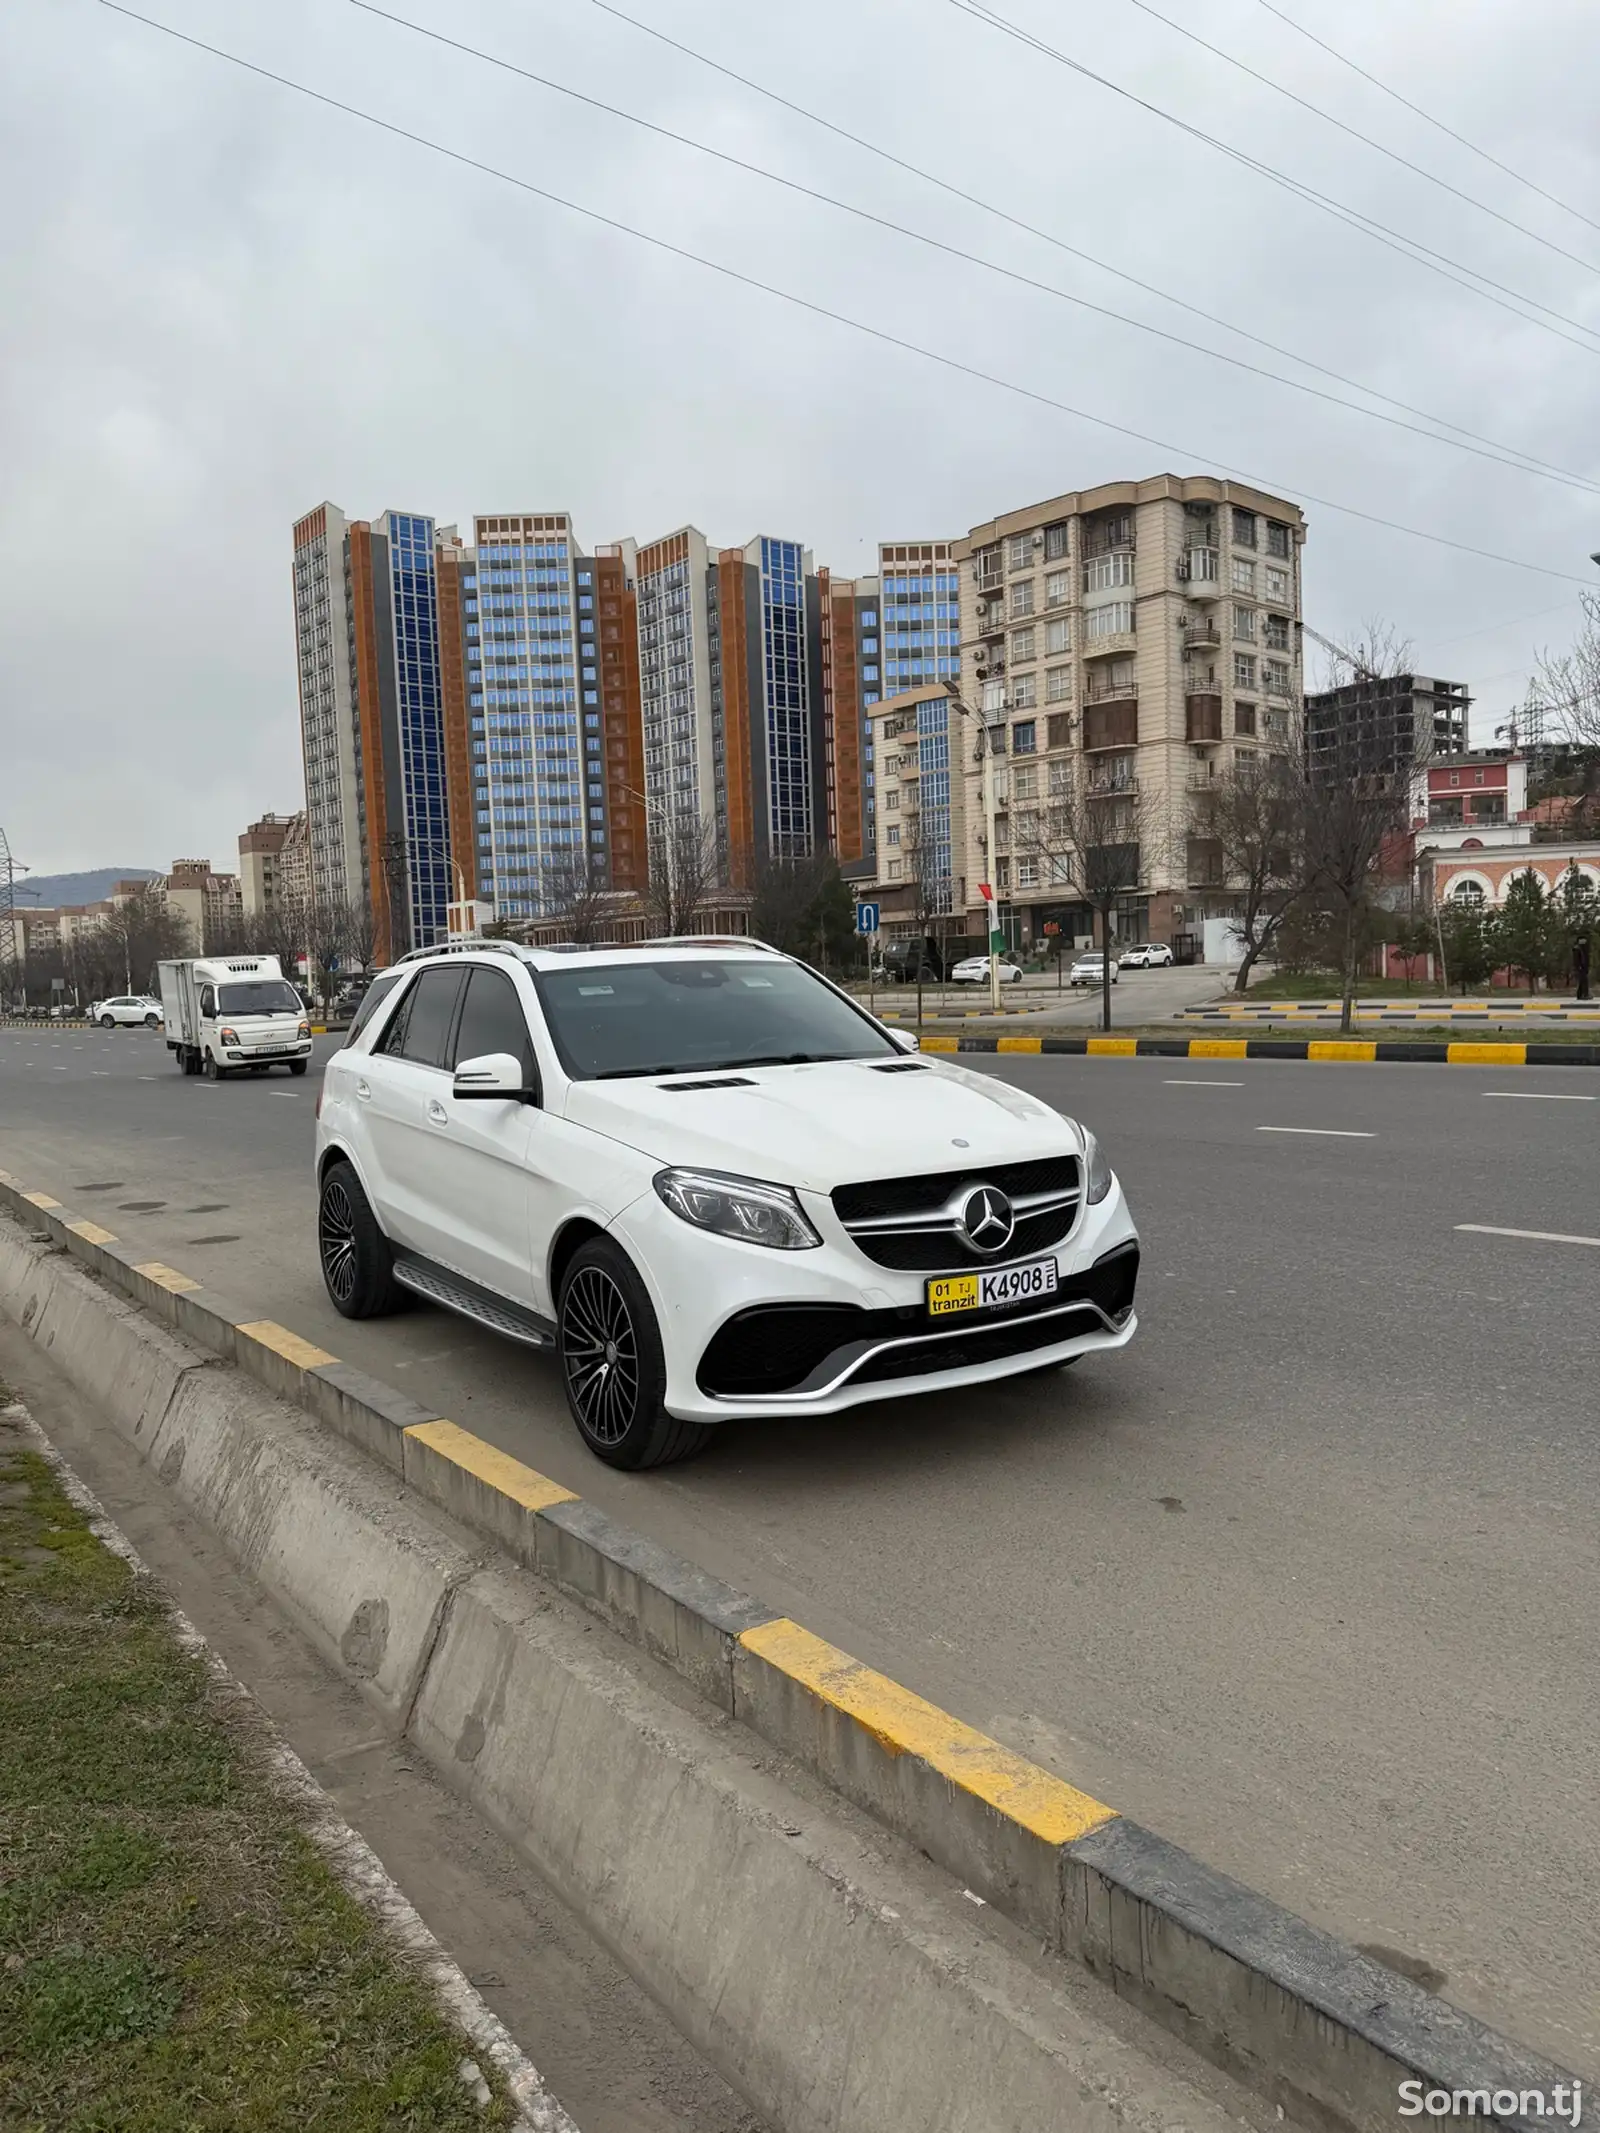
point(710, 940)
point(463, 947)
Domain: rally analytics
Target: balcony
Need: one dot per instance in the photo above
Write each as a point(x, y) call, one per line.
point(1201, 570)
point(1198, 783)
point(1203, 719)
point(1112, 789)
point(989, 580)
point(992, 620)
point(1113, 723)
point(1118, 643)
point(1202, 633)
point(1205, 863)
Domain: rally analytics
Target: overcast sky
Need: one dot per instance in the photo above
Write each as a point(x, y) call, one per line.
point(221, 303)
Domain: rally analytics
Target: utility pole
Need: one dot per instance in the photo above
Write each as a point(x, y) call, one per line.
point(8, 915)
point(990, 903)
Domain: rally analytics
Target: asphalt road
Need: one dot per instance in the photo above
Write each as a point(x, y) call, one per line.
point(1307, 1578)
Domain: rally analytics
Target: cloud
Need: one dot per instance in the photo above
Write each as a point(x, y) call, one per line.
point(223, 303)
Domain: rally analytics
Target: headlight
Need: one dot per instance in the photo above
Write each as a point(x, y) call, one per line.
point(305, 1029)
point(228, 1036)
point(1097, 1171)
point(738, 1207)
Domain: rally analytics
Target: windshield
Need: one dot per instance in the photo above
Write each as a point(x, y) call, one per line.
point(260, 996)
point(674, 1016)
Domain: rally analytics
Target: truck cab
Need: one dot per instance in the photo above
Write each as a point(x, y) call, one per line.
point(233, 1015)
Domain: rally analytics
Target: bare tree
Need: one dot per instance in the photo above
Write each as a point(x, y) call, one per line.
point(574, 892)
point(1566, 685)
point(1254, 816)
point(683, 871)
point(1372, 651)
point(361, 931)
point(134, 936)
point(1348, 816)
point(782, 911)
point(1098, 842)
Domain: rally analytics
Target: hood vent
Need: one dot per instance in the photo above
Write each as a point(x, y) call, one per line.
point(902, 1066)
point(723, 1081)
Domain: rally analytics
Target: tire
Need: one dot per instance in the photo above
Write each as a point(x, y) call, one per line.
point(108, 1021)
point(152, 1021)
point(298, 1066)
point(357, 1263)
point(612, 1366)
point(211, 1070)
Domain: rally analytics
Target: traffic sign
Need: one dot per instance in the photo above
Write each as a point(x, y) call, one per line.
point(866, 918)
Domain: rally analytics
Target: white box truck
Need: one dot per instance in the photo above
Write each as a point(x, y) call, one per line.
point(233, 1014)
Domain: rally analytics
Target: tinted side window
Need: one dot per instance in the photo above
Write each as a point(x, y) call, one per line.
point(492, 1020)
point(208, 1000)
point(376, 993)
point(429, 1013)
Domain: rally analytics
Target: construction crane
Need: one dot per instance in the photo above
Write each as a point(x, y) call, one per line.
point(1358, 667)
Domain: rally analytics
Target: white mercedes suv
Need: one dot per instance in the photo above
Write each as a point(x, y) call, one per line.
point(710, 1183)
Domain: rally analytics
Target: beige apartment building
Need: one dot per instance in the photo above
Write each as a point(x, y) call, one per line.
point(275, 864)
point(1134, 639)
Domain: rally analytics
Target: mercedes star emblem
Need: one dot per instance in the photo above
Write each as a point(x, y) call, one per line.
point(987, 1219)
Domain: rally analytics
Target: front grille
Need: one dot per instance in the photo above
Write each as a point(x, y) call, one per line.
point(776, 1348)
point(924, 1195)
point(946, 1252)
point(908, 1223)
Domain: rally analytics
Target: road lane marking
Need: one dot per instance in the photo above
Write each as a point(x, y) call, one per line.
point(1533, 1236)
point(1540, 1096)
point(1324, 1133)
point(1194, 1082)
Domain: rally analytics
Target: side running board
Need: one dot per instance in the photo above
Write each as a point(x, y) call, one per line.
point(456, 1293)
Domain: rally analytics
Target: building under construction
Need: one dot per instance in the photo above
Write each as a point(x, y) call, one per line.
point(1384, 723)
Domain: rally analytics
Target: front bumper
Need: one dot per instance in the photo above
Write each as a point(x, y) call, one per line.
point(746, 1330)
point(265, 1054)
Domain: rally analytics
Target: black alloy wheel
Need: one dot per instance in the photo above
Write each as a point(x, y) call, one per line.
point(612, 1364)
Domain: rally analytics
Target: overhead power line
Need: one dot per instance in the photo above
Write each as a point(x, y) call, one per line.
point(1412, 248)
point(1182, 29)
point(956, 192)
point(1427, 117)
point(816, 310)
point(1519, 462)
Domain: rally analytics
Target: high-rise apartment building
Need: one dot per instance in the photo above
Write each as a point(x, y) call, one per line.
point(920, 747)
point(621, 732)
point(850, 687)
point(372, 719)
point(730, 686)
point(1125, 645)
point(330, 735)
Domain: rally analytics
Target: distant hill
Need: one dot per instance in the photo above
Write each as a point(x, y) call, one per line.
point(90, 887)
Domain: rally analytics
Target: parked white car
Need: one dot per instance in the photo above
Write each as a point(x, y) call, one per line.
point(974, 970)
point(711, 1184)
point(1151, 955)
point(127, 1011)
point(1090, 970)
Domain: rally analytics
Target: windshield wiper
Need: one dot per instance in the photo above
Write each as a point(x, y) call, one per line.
point(784, 1059)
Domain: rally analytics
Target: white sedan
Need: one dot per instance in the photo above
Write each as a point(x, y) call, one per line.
point(127, 1011)
point(975, 971)
point(1090, 970)
point(1153, 955)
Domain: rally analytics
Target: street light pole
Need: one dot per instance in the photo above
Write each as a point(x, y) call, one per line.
point(992, 903)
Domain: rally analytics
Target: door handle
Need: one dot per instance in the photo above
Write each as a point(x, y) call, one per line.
point(364, 1090)
point(437, 1113)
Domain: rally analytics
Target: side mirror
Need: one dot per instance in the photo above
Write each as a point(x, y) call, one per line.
point(905, 1040)
point(495, 1078)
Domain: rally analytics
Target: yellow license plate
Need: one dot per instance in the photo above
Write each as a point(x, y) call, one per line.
point(952, 1292)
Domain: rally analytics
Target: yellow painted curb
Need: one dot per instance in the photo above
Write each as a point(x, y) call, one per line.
point(1219, 1047)
point(1113, 1047)
point(903, 1724)
point(167, 1277)
point(497, 1470)
point(40, 1199)
point(91, 1233)
point(940, 1044)
point(1487, 1054)
point(267, 1333)
point(1018, 1044)
point(1335, 1048)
